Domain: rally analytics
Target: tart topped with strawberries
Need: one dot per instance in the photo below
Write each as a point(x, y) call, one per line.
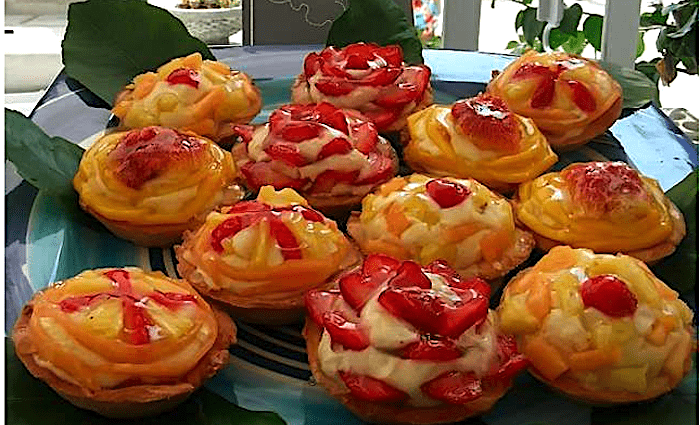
point(599, 327)
point(570, 98)
point(370, 78)
point(259, 257)
point(605, 206)
point(458, 220)
point(402, 343)
point(481, 138)
point(189, 93)
point(332, 156)
point(122, 342)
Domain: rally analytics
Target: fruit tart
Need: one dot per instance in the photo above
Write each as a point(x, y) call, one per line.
point(605, 206)
point(479, 138)
point(398, 343)
point(599, 327)
point(570, 98)
point(364, 76)
point(259, 257)
point(189, 93)
point(332, 157)
point(459, 220)
point(122, 342)
point(149, 185)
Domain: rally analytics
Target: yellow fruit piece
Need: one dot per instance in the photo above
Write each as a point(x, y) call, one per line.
point(87, 284)
point(395, 184)
point(281, 198)
point(461, 232)
point(674, 366)
point(104, 320)
point(603, 335)
point(419, 208)
point(559, 258)
point(218, 67)
point(660, 329)
point(174, 323)
point(143, 84)
point(193, 61)
point(515, 318)
point(629, 378)
point(622, 331)
point(396, 221)
point(569, 300)
point(545, 358)
point(432, 251)
point(594, 359)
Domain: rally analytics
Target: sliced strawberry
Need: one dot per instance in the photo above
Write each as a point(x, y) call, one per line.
point(456, 319)
point(432, 349)
point(581, 96)
point(375, 263)
point(287, 153)
point(609, 295)
point(345, 333)
point(454, 387)
point(334, 88)
point(397, 96)
point(366, 135)
point(312, 63)
point(309, 214)
point(228, 228)
point(319, 302)
point(332, 116)
point(371, 389)
point(246, 207)
point(365, 51)
point(382, 169)
point(172, 300)
point(409, 274)
point(337, 146)
point(333, 69)
point(357, 289)
point(447, 193)
point(286, 241)
point(392, 54)
point(440, 267)
point(383, 118)
point(356, 61)
point(599, 185)
point(543, 95)
point(381, 76)
point(300, 131)
point(418, 307)
point(489, 122)
point(325, 181)
point(259, 174)
point(188, 77)
point(510, 360)
point(528, 70)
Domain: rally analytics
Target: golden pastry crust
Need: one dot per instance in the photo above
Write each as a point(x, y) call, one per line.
point(570, 98)
point(605, 206)
point(259, 257)
point(191, 94)
point(598, 327)
point(439, 144)
point(73, 360)
point(477, 237)
point(150, 185)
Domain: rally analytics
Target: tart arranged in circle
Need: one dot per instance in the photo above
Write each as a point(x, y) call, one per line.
point(457, 220)
point(364, 76)
point(122, 342)
point(570, 98)
point(259, 257)
point(599, 327)
point(149, 185)
point(333, 157)
point(189, 93)
point(479, 138)
point(605, 206)
point(401, 343)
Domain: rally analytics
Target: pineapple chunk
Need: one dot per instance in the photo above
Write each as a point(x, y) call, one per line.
point(174, 323)
point(103, 320)
point(514, 316)
point(603, 336)
point(629, 379)
point(281, 198)
point(88, 283)
point(420, 209)
point(432, 251)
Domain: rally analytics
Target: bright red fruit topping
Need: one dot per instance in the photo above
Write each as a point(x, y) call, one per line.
point(337, 146)
point(367, 388)
point(317, 303)
point(185, 76)
point(410, 274)
point(440, 267)
point(366, 135)
point(259, 174)
point(582, 97)
point(510, 361)
point(375, 263)
point(432, 349)
point(454, 387)
point(447, 193)
point(603, 186)
point(298, 132)
point(344, 332)
point(357, 289)
point(489, 122)
point(609, 295)
point(287, 153)
point(382, 169)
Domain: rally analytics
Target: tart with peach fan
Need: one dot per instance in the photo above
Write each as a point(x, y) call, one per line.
point(598, 327)
point(257, 258)
point(479, 138)
point(149, 185)
point(401, 343)
point(122, 342)
point(570, 98)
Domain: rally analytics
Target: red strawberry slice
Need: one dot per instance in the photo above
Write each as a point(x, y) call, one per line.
point(510, 360)
point(476, 283)
point(375, 263)
point(356, 61)
point(609, 295)
point(172, 300)
point(543, 95)
point(246, 207)
point(73, 304)
point(337, 146)
point(581, 96)
point(409, 274)
point(259, 174)
point(456, 319)
point(286, 241)
point(357, 289)
point(334, 88)
point(319, 302)
point(371, 389)
point(454, 387)
point(300, 131)
point(333, 69)
point(188, 77)
point(136, 323)
point(383, 118)
point(325, 181)
point(432, 349)
point(345, 333)
point(381, 77)
point(312, 63)
point(366, 135)
point(440, 267)
point(228, 228)
point(242, 132)
point(382, 169)
point(332, 116)
point(532, 69)
point(309, 214)
point(447, 193)
point(392, 54)
point(398, 96)
point(287, 153)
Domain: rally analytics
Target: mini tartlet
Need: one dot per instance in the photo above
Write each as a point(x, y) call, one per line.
point(459, 220)
point(259, 257)
point(605, 206)
point(332, 157)
point(478, 138)
point(398, 343)
point(570, 98)
point(598, 327)
point(189, 93)
point(122, 342)
point(149, 185)
point(364, 76)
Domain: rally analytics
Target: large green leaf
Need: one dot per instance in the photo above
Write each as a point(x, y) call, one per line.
point(593, 28)
point(379, 21)
point(28, 401)
point(532, 28)
point(108, 42)
point(570, 19)
point(637, 89)
point(48, 163)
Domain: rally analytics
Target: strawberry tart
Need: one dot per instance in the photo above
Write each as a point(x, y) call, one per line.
point(401, 343)
point(122, 342)
point(364, 76)
point(598, 327)
point(479, 138)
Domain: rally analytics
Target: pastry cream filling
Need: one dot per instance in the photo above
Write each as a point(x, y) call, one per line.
point(387, 333)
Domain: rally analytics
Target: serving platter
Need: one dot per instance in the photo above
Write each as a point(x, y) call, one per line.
point(47, 241)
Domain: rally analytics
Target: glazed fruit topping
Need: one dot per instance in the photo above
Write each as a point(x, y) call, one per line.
point(410, 274)
point(343, 332)
point(371, 389)
point(144, 154)
point(511, 361)
point(185, 76)
point(359, 286)
point(337, 146)
point(297, 123)
point(435, 349)
point(609, 295)
point(287, 153)
point(543, 95)
point(447, 193)
point(440, 267)
point(319, 302)
point(454, 387)
point(489, 123)
point(259, 174)
point(604, 186)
